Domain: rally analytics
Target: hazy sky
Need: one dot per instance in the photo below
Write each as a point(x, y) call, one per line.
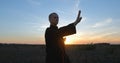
point(25, 21)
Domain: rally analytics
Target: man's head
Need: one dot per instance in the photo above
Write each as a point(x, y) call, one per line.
point(53, 18)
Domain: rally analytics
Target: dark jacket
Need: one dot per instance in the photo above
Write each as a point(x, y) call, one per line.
point(55, 47)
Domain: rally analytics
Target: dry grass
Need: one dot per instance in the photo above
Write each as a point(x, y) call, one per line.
point(16, 53)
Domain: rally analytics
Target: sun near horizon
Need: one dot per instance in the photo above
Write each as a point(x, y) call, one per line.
point(69, 40)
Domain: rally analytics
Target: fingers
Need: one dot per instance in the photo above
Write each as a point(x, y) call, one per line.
point(80, 18)
point(79, 12)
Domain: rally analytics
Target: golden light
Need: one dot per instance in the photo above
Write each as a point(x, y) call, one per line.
point(69, 40)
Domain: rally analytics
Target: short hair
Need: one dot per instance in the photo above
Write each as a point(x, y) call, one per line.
point(51, 14)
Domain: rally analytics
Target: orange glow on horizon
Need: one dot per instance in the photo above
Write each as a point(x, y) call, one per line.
point(70, 40)
point(75, 39)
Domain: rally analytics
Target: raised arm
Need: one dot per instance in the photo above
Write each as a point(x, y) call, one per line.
point(70, 29)
point(78, 19)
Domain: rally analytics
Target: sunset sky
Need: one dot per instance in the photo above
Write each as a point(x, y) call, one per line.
point(25, 21)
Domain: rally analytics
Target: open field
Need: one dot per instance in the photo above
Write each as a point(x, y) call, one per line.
point(91, 53)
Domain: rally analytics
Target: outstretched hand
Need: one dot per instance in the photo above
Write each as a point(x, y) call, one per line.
point(78, 18)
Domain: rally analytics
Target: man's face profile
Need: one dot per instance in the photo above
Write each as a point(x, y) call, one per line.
point(53, 18)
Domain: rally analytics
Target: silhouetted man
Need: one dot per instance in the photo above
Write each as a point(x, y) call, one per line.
point(55, 47)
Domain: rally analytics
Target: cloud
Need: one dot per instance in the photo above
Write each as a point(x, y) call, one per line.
point(105, 34)
point(103, 23)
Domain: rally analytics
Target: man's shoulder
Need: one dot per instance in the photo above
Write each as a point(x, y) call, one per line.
point(48, 29)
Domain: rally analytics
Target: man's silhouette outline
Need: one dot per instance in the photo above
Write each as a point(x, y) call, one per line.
point(55, 47)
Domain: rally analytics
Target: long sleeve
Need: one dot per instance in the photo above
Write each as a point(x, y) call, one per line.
point(67, 30)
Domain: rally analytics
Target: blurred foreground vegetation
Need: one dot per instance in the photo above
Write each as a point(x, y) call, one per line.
point(90, 53)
